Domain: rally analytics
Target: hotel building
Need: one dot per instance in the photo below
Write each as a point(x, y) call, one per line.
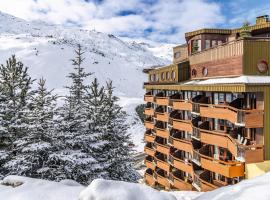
point(207, 115)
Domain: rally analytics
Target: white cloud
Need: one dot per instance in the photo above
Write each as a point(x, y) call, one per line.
point(168, 19)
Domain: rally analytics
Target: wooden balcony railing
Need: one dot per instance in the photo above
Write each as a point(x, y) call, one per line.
point(149, 151)
point(182, 105)
point(219, 52)
point(245, 153)
point(164, 133)
point(182, 125)
point(149, 111)
point(149, 164)
point(179, 183)
point(162, 180)
point(230, 169)
point(149, 124)
point(181, 144)
point(149, 180)
point(162, 101)
point(162, 148)
point(202, 185)
point(149, 98)
point(164, 117)
point(162, 164)
point(181, 164)
point(149, 138)
point(248, 118)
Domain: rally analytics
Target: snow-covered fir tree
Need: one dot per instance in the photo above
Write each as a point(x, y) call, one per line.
point(15, 84)
point(38, 144)
point(94, 112)
point(118, 148)
point(73, 160)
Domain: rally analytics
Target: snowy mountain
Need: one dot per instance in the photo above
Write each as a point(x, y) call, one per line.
point(47, 50)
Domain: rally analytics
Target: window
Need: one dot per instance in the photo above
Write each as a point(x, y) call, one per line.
point(214, 43)
point(163, 76)
point(219, 42)
point(177, 54)
point(194, 73)
point(204, 71)
point(199, 45)
point(173, 75)
point(168, 75)
point(207, 44)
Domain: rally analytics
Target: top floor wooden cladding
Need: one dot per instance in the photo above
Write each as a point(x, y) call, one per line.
point(220, 53)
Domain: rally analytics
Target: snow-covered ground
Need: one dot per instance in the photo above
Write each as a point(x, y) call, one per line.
point(47, 50)
point(21, 188)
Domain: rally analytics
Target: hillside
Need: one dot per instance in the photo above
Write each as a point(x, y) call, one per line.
point(47, 50)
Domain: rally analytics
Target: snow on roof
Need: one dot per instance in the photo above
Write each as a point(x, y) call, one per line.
point(232, 80)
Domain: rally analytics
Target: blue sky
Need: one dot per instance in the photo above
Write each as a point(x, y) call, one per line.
point(162, 21)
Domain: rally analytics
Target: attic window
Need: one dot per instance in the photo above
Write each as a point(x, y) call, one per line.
point(173, 75)
point(177, 54)
point(168, 75)
point(163, 76)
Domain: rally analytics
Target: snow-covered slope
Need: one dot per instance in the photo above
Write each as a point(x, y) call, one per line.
point(47, 50)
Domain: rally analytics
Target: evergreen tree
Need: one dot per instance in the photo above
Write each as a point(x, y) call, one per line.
point(14, 107)
point(32, 156)
point(95, 103)
point(120, 154)
point(114, 149)
point(73, 160)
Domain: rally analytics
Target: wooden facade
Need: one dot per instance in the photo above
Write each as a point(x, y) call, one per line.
point(201, 136)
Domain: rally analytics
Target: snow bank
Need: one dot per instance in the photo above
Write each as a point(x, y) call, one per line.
point(257, 188)
point(22, 188)
point(117, 190)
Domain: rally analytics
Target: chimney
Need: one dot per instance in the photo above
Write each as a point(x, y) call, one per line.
point(262, 19)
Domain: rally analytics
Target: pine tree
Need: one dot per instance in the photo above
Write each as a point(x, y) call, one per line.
point(114, 152)
point(32, 156)
point(15, 97)
point(73, 160)
point(95, 126)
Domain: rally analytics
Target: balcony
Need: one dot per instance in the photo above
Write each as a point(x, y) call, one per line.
point(161, 162)
point(164, 133)
point(248, 118)
point(182, 125)
point(202, 182)
point(148, 97)
point(162, 148)
point(149, 111)
point(162, 101)
point(182, 105)
point(149, 137)
point(149, 179)
point(148, 149)
point(250, 153)
point(181, 144)
point(180, 182)
point(230, 169)
point(149, 123)
point(180, 164)
point(149, 162)
point(162, 179)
